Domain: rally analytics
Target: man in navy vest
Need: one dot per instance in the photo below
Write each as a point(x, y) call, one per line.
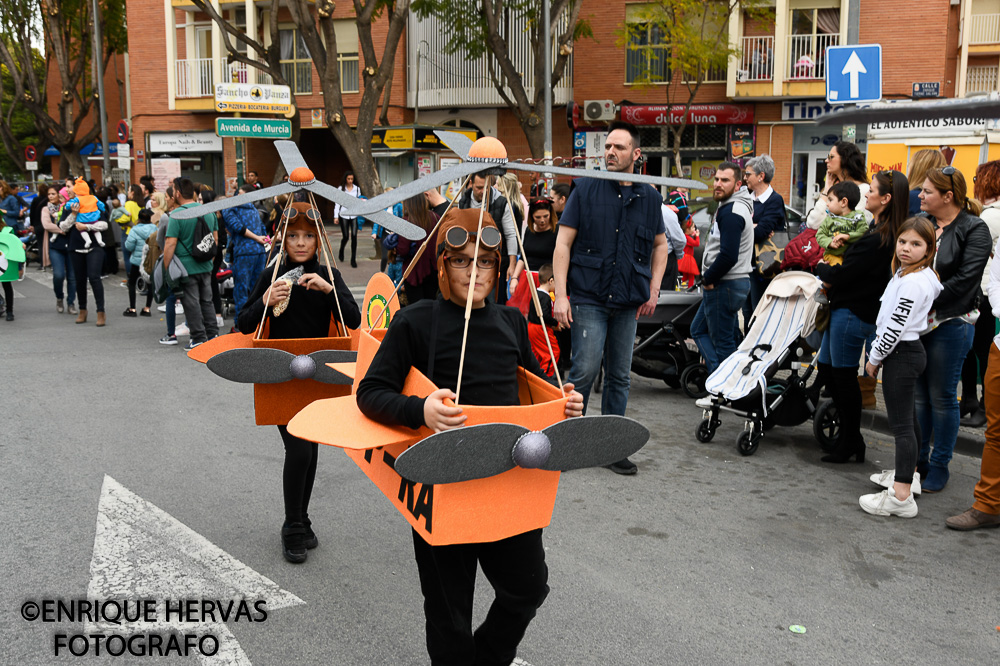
point(610, 255)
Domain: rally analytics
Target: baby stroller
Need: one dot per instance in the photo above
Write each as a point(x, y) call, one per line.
point(745, 383)
point(660, 350)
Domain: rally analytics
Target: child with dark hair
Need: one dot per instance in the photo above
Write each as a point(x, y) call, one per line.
point(843, 225)
point(428, 336)
point(134, 243)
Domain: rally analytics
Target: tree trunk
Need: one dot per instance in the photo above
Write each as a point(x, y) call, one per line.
point(74, 162)
point(535, 134)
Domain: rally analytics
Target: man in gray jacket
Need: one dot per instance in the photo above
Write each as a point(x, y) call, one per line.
point(726, 267)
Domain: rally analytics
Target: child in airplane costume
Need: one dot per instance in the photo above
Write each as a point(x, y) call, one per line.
point(428, 336)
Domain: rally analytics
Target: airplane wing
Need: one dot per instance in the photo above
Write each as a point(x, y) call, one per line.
point(290, 156)
point(230, 202)
point(378, 215)
point(419, 186)
point(458, 143)
point(609, 175)
point(353, 430)
point(975, 107)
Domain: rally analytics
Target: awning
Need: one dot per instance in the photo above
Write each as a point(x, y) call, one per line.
point(89, 149)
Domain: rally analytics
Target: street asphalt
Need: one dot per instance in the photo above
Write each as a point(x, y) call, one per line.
point(704, 557)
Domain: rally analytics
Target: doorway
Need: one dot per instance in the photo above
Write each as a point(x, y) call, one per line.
point(808, 178)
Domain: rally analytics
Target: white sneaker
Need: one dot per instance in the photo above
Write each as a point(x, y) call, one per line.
point(219, 322)
point(178, 308)
point(887, 477)
point(886, 504)
point(704, 403)
point(161, 308)
point(182, 329)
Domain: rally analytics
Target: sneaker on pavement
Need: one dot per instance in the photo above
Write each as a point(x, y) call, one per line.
point(219, 322)
point(886, 504)
point(168, 340)
point(973, 519)
point(704, 403)
point(182, 329)
point(161, 308)
point(191, 345)
point(178, 308)
point(624, 467)
point(887, 477)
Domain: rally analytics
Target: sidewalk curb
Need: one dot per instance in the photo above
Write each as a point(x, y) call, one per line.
point(968, 443)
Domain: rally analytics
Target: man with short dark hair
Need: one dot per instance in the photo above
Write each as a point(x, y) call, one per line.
point(197, 297)
point(726, 267)
point(253, 180)
point(610, 255)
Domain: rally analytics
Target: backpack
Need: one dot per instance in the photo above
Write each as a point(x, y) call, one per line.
point(150, 254)
point(204, 243)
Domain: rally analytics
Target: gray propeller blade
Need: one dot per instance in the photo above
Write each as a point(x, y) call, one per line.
point(231, 202)
point(457, 143)
point(378, 216)
point(593, 441)
point(413, 188)
point(609, 175)
point(975, 107)
point(328, 375)
point(290, 156)
point(253, 366)
point(462, 454)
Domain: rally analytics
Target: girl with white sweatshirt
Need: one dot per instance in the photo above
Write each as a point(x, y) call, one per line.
point(902, 318)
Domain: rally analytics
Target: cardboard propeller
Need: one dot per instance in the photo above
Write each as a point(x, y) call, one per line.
point(987, 107)
point(274, 366)
point(487, 156)
point(12, 251)
point(479, 451)
point(300, 178)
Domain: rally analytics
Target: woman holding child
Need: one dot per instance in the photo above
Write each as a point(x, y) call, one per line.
point(844, 163)
point(854, 288)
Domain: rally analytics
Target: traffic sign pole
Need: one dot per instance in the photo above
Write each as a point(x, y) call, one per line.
point(239, 161)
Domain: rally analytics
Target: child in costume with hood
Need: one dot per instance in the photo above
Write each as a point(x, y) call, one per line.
point(91, 209)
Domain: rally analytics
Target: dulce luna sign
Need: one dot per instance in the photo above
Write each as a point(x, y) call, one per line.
point(698, 114)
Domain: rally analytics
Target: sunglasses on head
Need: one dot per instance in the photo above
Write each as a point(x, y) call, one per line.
point(457, 237)
point(888, 174)
point(311, 214)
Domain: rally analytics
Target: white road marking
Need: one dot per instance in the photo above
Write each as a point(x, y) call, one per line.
point(142, 552)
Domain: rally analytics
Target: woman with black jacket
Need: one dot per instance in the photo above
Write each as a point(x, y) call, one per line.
point(305, 301)
point(964, 246)
point(854, 289)
point(87, 261)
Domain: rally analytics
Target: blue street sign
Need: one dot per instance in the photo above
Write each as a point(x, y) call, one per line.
point(854, 73)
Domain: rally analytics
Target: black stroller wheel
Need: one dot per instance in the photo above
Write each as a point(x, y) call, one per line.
point(747, 442)
point(693, 380)
point(705, 432)
point(826, 425)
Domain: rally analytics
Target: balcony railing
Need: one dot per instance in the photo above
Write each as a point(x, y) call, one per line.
point(757, 60)
point(807, 56)
point(982, 79)
point(240, 72)
point(985, 29)
point(194, 78)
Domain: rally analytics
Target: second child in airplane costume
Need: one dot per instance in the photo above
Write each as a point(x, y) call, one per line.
point(427, 336)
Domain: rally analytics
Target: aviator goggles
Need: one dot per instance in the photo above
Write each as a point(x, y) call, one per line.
point(457, 237)
point(291, 213)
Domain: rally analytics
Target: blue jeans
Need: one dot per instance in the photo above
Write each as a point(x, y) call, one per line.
point(608, 333)
point(171, 315)
point(844, 339)
point(715, 327)
point(62, 270)
point(937, 389)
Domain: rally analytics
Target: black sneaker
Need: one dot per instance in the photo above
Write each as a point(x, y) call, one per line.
point(311, 540)
point(293, 538)
point(10, 316)
point(624, 467)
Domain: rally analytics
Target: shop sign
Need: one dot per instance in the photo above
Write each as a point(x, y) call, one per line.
point(806, 109)
point(253, 98)
point(741, 142)
point(936, 127)
point(185, 142)
point(427, 139)
point(698, 114)
point(397, 139)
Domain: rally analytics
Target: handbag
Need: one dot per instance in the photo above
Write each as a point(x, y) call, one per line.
point(770, 253)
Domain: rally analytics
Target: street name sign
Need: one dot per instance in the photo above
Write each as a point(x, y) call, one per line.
point(253, 98)
point(854, 73)
point(254, 128)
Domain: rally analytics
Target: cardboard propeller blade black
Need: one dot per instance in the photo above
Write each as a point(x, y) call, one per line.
point(378, 216)
point(328, 375)
point(462, 454)
point(253, 366)
point(419, 186)
point(231, 202)
point(608, 175)
point(593, 441)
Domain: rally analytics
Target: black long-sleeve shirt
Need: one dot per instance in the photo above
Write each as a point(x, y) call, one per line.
point(546, 302)
point(308, 313)
point(859, 282)
point(497, 344)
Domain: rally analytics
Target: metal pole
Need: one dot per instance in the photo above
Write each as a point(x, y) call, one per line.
point(103, 111)
point(547, 66)
point(416, 100)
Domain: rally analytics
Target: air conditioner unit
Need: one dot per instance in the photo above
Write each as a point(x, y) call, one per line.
point(595, 110)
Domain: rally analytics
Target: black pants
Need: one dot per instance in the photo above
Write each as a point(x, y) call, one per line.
point(8, 295)
point(669, 282)
point(87, 268)
point(349, 229)
point(298, 475)
point(214, 283)
point(900, 372)
point(847, 396)
point(133, 278)
point(515, 567)
point(979, 355)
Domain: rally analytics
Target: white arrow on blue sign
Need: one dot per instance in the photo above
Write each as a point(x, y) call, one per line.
point(854, 73)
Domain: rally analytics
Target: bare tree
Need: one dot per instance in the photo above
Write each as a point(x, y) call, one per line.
point(315, 24)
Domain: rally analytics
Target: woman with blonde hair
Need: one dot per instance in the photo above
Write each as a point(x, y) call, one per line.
point(922, 162)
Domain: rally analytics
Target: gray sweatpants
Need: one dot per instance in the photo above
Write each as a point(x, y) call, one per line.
point(198, 308)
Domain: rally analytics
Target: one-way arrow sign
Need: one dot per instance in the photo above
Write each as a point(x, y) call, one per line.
point(854, 73)
point(142, 552)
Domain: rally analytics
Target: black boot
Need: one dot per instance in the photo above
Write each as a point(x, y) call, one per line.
point(976, 419)
point(815, 391)
point(847, 396)
point(293, 546)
